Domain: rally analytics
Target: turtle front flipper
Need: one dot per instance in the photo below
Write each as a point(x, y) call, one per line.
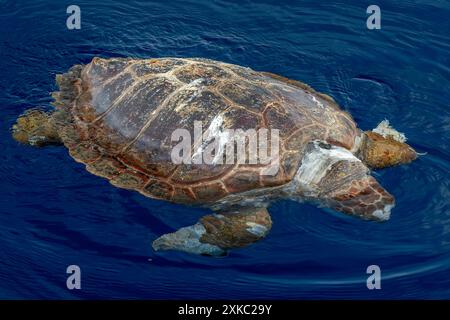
point(215, 234)
point(363, 197)
point(37, 128)
point(333, 176)
point(349, 188)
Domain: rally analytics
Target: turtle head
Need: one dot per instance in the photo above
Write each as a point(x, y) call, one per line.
point(385, 147)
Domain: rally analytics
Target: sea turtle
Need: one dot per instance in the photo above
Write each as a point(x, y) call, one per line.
point(122, 117)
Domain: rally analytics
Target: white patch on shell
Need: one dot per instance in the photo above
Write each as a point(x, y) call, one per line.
point(212, 131)
point(314, 99)
point(223, 139)
point(357, 143)
point(315, 165)
point(215, 131)
point(196, 87)
point(386, 130)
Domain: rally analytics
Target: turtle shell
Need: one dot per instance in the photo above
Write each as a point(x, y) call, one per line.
point(119, 115)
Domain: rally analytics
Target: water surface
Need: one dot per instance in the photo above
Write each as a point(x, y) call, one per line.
point(53, 213)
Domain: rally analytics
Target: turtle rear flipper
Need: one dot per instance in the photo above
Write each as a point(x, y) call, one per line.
point(217, 233)
point(39, 128)
point(36, 127)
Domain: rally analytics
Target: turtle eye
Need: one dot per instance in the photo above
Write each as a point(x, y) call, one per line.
point(324, 145)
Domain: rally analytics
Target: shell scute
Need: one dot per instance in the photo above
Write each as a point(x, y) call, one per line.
point(248, 95)
point(130, 114)
point(130, 179)
point(210, 74)
point(106, 166)
point(209, 193)
point(158, 189)
point(242, 181)
point(155, 66)
point(101, 70)
point(103, 95)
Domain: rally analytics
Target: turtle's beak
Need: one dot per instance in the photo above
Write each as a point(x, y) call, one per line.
point(381, 152)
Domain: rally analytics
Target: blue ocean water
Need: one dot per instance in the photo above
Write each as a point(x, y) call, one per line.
point(54, 214)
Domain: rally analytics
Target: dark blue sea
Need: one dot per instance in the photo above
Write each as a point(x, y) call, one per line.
point(53, 213)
